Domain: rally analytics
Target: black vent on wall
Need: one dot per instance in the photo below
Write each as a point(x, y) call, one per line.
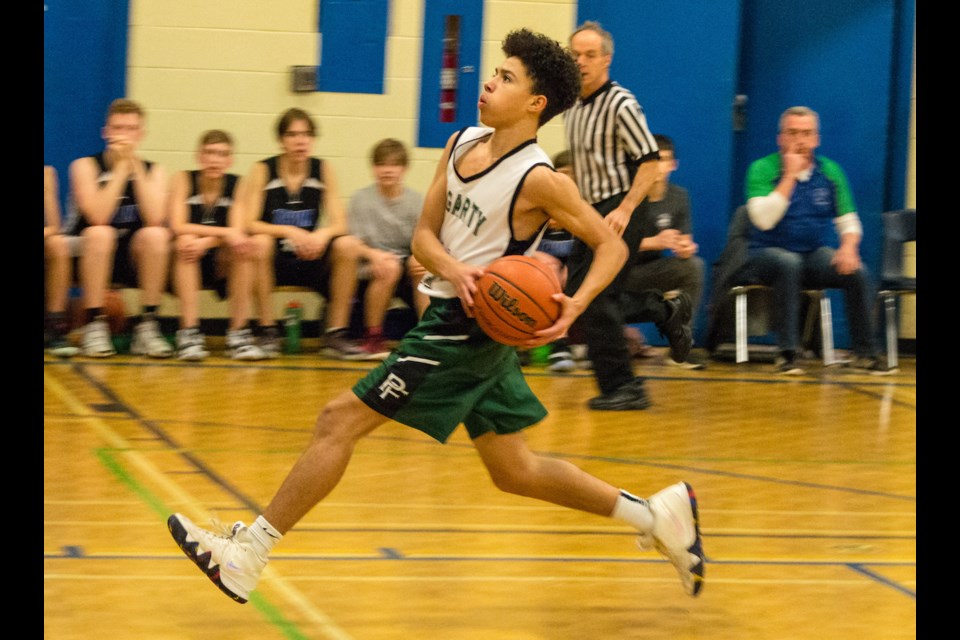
point(303, 79)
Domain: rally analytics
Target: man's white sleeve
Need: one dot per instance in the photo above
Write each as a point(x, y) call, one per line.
point(766, 211)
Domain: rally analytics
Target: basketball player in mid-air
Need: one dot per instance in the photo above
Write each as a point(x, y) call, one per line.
point(493, 193)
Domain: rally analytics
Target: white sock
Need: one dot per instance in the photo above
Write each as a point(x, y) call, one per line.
point(264, 535)
point(633, 510)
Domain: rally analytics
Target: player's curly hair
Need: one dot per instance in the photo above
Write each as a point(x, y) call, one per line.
point(553, 72)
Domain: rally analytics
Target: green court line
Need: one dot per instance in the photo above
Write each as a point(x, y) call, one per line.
point(262, 604)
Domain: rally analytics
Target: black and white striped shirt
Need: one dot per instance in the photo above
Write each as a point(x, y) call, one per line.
point(608, 138)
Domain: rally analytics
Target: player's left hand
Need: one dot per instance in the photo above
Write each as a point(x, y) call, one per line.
point(569, 311)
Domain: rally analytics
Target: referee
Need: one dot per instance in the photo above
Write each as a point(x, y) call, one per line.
point(615, 164)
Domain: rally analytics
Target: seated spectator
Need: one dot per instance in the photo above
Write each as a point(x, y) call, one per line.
point(383, 216)
point(294, 207)
point(798, 204)
point(667, 260)
point(118, 207)
point(213, 250)
point(58, 270)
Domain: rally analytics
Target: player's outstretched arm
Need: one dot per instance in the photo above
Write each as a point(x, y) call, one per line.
point(557, 195)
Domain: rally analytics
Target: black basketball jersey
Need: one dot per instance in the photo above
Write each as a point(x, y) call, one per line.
point(215, 215)
point(301, 209)
point(126, 216)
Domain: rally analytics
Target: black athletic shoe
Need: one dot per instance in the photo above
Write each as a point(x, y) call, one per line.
point(628, 397)
point(786, 364)
point(676, 328)
point(874, 366)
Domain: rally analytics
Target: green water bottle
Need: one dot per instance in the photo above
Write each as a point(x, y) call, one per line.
point(540, 356)
point(292, 319)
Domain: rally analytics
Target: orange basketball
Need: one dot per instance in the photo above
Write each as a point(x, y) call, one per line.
point(514, 299)
point(113, 309)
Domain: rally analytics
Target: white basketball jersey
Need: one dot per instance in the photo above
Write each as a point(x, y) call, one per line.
point(477, 225)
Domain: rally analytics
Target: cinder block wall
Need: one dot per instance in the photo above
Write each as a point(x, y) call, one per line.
point(202, 65)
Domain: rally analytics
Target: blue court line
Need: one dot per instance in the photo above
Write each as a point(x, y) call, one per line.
point(391, 554)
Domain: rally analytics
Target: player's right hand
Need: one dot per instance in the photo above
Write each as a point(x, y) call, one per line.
point(464, 278)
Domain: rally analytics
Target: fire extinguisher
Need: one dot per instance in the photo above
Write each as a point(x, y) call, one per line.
point(448, 81)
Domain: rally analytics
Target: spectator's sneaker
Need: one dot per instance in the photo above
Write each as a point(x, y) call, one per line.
point(581, 356)
point(561, 362)
point(338, 345)
point(270, 343)
point(628, 397)
point(786, 364)
point(148, 341)
point(61, 347)
point(374, 348)
point(690, 364)
point(191, 345)
point(242, 345)
point(96, 342)
point(230, 561)
point(874, 366)
point(676, 328)
point(676, 534)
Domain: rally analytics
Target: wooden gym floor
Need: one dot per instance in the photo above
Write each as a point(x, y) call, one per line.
point(807, 489)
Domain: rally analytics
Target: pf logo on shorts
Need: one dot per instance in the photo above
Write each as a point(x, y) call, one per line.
point(394, 386)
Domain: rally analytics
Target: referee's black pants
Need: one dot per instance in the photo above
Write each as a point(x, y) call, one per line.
point(601, 324)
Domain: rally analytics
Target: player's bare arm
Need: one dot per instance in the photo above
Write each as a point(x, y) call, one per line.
point(51, 205)
point(333, 210)
point(547, 192)
point(189, 246)
point(97, 204)
point(150, 189)
point(236, 234)
point(426, 245)
point(312, 245)
point(253, 205)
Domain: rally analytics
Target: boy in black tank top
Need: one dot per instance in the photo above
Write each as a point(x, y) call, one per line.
point(300, 224)
point(213, 250)
point(118, 207)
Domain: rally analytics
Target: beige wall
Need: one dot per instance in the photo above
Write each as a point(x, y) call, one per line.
point(226, 64)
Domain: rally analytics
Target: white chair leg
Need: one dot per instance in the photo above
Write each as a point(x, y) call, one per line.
point(890, 309)
point(826, 329)
point(740, 316)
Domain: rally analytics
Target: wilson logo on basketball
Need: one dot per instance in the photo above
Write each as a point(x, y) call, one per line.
point(509, 304)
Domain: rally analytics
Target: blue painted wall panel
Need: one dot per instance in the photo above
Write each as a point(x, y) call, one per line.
point(84, 69)
point(431, 131)
point(353, 45)
point(681, 61)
